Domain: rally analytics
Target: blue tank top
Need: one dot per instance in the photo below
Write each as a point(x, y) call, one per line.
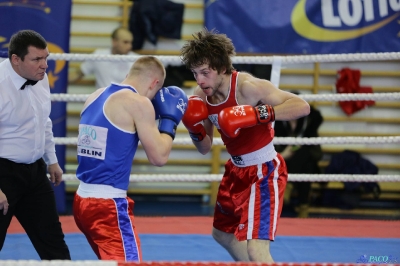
point(105, 152)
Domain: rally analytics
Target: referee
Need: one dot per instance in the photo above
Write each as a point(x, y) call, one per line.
point(27, 146)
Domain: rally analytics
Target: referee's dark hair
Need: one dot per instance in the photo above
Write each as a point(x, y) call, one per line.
point(21, 40)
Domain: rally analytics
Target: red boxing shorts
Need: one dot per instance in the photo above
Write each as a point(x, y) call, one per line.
point(250, 198)
point(108, 227)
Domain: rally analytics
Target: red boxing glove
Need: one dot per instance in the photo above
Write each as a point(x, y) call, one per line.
point(232, 119)
point(196, 112)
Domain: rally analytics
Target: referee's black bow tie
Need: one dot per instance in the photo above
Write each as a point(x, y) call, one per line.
point(28, 82)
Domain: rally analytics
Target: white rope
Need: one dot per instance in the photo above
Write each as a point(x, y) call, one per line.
point(352, 97)
point(175, 60)
point(336, 140)
point(279, 140)
point(63, 97)
point(217, 177)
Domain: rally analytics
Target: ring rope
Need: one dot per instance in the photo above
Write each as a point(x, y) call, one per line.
point(277, 140)
point(217, 177)
point(63, 97)
point(176, 60)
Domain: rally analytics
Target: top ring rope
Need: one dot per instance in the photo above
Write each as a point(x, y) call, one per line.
point(175, 60)
point(62, 97)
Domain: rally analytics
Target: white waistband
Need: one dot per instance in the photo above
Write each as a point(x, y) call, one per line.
point(262, 155)
point(86, 190)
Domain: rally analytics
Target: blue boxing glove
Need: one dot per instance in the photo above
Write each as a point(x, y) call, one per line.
point(170, 105)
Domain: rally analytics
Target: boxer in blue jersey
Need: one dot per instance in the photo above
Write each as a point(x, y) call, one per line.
point(113, 120)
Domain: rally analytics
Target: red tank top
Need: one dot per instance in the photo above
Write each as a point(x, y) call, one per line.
point(249, 139)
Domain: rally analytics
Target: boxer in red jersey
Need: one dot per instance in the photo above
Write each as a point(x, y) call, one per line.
point(242, 108)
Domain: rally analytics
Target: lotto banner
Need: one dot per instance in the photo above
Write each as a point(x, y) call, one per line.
point(52, 20)
point(307, 26)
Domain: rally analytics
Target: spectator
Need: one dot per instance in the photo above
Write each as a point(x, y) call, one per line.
point(106, 72)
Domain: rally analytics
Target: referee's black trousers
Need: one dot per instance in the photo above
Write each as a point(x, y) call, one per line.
point(31, 200)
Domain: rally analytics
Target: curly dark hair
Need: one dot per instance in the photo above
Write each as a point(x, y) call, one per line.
point(209, 47)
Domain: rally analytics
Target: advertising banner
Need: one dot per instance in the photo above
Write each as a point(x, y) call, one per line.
point(307, 26)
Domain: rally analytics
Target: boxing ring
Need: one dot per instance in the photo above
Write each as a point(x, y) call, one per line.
point(187, 240)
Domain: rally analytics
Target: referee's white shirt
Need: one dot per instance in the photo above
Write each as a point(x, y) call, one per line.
point(26, 132)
